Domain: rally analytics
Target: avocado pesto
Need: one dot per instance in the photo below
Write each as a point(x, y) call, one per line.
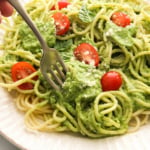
point(106, 47)
point(29, 41)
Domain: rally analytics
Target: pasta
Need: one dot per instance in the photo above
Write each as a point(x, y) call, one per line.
point(82, 106)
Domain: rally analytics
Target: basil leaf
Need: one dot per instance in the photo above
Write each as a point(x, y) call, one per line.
point(86, 15)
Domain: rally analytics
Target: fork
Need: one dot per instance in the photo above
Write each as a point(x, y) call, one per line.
point(51, 64)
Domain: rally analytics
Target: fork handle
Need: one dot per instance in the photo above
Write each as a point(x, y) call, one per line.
point(17, 5)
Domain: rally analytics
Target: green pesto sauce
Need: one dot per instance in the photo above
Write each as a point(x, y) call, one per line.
point(82, 79)
point(30, 42)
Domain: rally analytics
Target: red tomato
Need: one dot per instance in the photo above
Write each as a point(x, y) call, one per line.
point(62, 23)
point(61, 4)
point(87, 53)
point(111, 80)
point(21, 70)
point(6, 8)
point(121, 19)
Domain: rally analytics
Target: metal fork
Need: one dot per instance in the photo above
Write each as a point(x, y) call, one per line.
point(51, 64)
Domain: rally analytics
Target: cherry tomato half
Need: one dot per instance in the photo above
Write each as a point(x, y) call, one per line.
point(61, 4)
point(62, 23)
point(6, 8)
point(21, 70)
point(87, 53)
point(120, 19)
point(111, 80)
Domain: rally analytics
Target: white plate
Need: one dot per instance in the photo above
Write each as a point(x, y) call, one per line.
point(12, 127)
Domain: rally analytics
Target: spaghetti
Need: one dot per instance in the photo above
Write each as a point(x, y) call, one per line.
point(82, 106)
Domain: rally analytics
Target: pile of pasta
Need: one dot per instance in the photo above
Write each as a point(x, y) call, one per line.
point(108, 113)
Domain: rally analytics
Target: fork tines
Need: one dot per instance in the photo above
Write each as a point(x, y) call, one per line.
point(56, 75)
